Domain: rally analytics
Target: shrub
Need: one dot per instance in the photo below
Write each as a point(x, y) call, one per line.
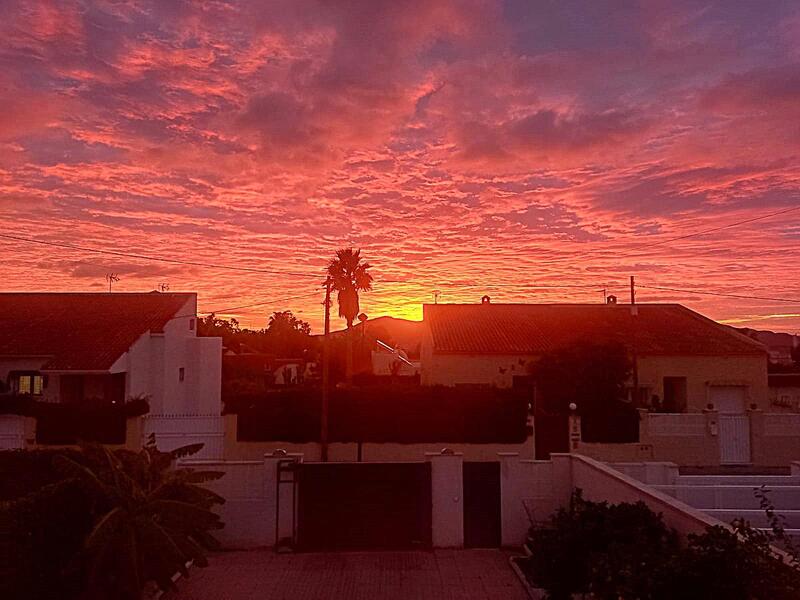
point(736, 564)
point(613, 551)
point(111, 522)
point(385, 413)
point(625, 551)
point(89, 421)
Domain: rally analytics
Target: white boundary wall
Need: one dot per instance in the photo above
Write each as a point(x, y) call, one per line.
point(173, 431)
point(530, 491)
point(12, 432)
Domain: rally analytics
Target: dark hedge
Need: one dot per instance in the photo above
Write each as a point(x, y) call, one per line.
point(90, 421)
point(401, 414)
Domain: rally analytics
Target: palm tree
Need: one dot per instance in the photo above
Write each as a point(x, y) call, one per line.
point(349, 276)
point(151, 519)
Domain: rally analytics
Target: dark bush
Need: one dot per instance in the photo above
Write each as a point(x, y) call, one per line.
point(736, 564)
point(402, 414)
point(102, 523)
point(91, 421)
point(26, 471)
point(46, 532)
point(626, 552)
point(611, 550)
point(618, 423)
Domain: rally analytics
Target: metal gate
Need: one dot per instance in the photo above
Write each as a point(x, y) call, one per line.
point(734, 439)
point(363, 506)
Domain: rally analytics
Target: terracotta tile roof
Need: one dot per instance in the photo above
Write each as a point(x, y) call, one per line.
point(81, 332)
point(532, 329)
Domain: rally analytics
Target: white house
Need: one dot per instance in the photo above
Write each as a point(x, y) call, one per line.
point(79, 347)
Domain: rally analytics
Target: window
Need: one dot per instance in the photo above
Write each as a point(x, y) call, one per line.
point(191, 324)
point(675, 394)
point(30, 383)
point(181, 374)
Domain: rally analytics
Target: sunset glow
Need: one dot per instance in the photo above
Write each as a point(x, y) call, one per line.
point(532, 151)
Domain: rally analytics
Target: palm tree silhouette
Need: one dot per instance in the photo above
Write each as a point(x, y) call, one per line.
point(349, 276)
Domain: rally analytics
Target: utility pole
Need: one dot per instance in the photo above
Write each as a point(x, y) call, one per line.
point(634, 313)
point(323, 434)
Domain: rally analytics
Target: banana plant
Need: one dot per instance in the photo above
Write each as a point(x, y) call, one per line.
point(152, 520)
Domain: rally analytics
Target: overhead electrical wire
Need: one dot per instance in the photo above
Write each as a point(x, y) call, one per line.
point(722, 294)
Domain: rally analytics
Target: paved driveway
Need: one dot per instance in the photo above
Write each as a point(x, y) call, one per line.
point(441, 574)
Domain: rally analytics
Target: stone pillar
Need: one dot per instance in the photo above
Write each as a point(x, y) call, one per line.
point(562, 478)
point(280, 503)
point(574, 428)
point(447, 498)
point(517, 487)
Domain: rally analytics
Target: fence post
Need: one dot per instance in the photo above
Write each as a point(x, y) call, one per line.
point(574, 428)
point(447, 498)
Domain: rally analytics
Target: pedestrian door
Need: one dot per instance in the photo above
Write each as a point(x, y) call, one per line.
point(734, 424)
point(482, 519)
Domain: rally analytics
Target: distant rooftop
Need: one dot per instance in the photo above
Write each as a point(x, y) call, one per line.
point(533, 329)
point(81, 331)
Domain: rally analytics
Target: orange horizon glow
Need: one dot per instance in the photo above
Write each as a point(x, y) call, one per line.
point(532, 153)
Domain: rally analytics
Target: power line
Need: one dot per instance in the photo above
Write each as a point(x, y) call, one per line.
point(724, 295)
point(155, 258)
point(713, 229)
point(223, 311)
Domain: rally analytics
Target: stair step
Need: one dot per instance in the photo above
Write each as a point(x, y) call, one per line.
point(752, 480)
point(732, 496)
point(756, 517)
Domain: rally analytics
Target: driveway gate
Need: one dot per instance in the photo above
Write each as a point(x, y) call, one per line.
point(363, 506)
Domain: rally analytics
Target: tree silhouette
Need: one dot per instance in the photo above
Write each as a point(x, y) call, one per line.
point(349, 276)
point(282, 322)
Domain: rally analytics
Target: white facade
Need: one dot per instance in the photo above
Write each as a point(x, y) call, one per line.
point(180, 373)
point(177, 372)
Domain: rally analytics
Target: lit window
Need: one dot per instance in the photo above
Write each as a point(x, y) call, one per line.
point(181, 374)
point(30, 384)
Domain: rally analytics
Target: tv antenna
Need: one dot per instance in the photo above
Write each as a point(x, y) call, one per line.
point(436, 294)
point(163, 287)
point(111, 278)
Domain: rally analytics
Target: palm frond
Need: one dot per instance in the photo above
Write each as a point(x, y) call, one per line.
point(187, 450)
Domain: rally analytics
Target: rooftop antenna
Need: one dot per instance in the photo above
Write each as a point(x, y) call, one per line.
point(163, 287)
point(111, 278)
point(436, 294)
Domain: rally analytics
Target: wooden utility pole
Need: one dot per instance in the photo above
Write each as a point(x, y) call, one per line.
point(634, 312)
point(326, 359)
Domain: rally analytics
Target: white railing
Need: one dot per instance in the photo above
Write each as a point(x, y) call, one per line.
point(777, 424)
point(12, 432)
point(173, 431)
point(676, 425)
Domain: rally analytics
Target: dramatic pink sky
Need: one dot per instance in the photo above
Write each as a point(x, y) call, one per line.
point(467, 146)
